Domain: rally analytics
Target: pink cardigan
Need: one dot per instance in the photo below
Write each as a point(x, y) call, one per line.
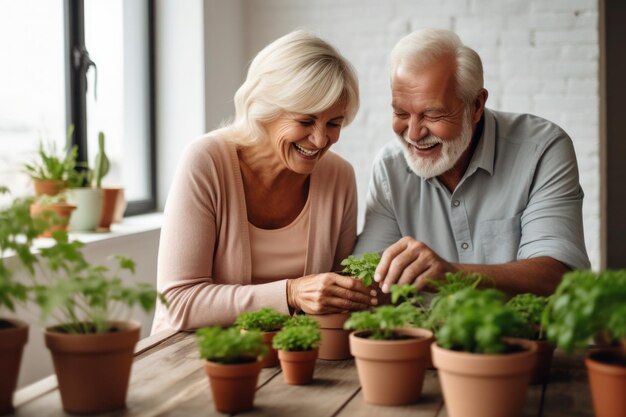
point(204, 265)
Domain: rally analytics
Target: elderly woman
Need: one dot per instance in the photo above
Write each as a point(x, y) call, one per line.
point(260, 211)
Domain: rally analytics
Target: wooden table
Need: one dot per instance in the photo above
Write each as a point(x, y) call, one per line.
point(168, 380)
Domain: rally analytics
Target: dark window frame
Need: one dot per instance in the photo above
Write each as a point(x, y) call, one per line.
point(77, 65)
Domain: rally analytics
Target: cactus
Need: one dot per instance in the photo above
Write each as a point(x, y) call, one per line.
point(102, 162)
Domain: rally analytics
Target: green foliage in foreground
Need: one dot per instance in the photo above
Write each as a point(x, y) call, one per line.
point(230, 346)
point(265, 320)
point(381, 322)
point(361, 268)
point(297, 338)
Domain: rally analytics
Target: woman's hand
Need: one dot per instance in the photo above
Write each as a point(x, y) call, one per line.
point(329, 293)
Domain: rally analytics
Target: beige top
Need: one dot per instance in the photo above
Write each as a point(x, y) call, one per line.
point(279, 253)
point(204, 265)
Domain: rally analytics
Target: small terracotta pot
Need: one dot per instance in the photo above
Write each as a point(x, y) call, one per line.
point(48, 187)
point(233, 386)
point(12, 341)
point(270, 360)
point(541, 371)
point(607, 381)
point(335, 342)
point(62, 210)
point(391, 372)
point(109, 202)
point(93, 369)
point(120, 207)
point(484, 385)
point(298, 367)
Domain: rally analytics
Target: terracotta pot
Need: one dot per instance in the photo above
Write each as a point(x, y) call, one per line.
point(270, 360)
point(541, 370)
point(93, 369)
point(335, 343)
point(120, 207)
point(109, 202)
point(233, 386)
point(391, 372)
point(12, 341)
point(62, 210)
point(484, 385)
point(607, 381)
point(298, 367)
point(48, 187)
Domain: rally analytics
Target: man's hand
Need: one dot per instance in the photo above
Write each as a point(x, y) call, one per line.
point(329, 293)
point(409, 261)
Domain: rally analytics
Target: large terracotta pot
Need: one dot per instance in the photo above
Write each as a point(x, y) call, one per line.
point(234, 385)
point(541, 371)
point(335, 342)
point(49, 187)
point(607, 381)
point(298, 367)
point(93, 370)
point(391, 372)
point(12, 341)
point(484, 385)
point(62, 210)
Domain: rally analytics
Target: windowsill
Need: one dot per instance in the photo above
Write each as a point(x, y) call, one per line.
point(130, 226)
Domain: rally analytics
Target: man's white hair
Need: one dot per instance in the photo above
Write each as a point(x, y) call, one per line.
point(297, 73)
point(424, 46)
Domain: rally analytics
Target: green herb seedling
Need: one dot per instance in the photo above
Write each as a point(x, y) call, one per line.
point(381, 322)
point(361, 268)
point(230, 346)
point(297, 338)
point(266, 320)
point(529, 308)
point(300, 320)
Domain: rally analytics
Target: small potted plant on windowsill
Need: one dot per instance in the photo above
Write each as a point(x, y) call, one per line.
point(92, 346)
point(232, 363)
point(391, 358)
point(17, 231)
point(588, 306)
point(297, 345)
point(482, 374)
point(335, 344)
point(268, 321)
point(50, 171)
point(529, 308)
point(54, 210)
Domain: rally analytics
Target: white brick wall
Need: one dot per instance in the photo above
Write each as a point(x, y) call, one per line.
point(539, 56)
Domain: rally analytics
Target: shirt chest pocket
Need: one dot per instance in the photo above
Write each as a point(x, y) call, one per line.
point(500, 239)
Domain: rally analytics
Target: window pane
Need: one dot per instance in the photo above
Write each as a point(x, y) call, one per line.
point(116, 36)
point(32, 85)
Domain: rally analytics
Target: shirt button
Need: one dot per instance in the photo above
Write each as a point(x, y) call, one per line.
point(464, 245)
point(456, 203)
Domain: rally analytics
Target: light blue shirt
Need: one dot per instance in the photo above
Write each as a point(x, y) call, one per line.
point(519, 198)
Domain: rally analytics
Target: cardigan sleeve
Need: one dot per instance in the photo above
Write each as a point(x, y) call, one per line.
point(187, 249)
point(347, 234)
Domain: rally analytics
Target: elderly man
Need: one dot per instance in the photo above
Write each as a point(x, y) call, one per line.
point(467, 188)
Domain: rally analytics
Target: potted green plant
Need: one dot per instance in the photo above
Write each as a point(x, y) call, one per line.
point(391, 358)
point(529, 308)
point(268, 321)
point(482, 373)
point(53, 209)
point(110, 195)
point(335, 344)
point(51, 170)
point(297, 345)
point(232, 364)
point(17, 231)
point(588, 306)
point(91, 339)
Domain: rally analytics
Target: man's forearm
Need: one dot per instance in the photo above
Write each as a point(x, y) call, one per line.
point(536, 275)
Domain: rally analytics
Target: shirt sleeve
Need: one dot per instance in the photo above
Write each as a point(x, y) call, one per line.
point(552, 220)
point(381, 226)
point(186, 255)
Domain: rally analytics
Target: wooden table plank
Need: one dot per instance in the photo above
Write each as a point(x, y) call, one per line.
point(428, 405)
point(567, 393)
point(334, 383)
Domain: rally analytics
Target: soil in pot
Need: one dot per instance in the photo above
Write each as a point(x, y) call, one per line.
point(233, 386)
point(607, 381)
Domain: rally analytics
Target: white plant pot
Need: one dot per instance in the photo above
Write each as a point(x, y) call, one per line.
point(88, 202)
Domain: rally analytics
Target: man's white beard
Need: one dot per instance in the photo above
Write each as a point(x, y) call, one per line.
point(451, 151)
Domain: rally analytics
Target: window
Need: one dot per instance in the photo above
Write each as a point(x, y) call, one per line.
point(87, 63)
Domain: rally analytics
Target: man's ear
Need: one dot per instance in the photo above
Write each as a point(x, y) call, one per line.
point(479, 105)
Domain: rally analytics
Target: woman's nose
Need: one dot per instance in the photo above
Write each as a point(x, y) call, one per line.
point(319, 138)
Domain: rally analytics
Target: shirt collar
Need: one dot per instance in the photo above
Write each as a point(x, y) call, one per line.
point(484, 153)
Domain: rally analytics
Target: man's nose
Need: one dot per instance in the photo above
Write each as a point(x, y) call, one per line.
point(415, 130)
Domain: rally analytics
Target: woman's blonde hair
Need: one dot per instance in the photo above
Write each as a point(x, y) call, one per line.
point(298, 73)
point(424, 46)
